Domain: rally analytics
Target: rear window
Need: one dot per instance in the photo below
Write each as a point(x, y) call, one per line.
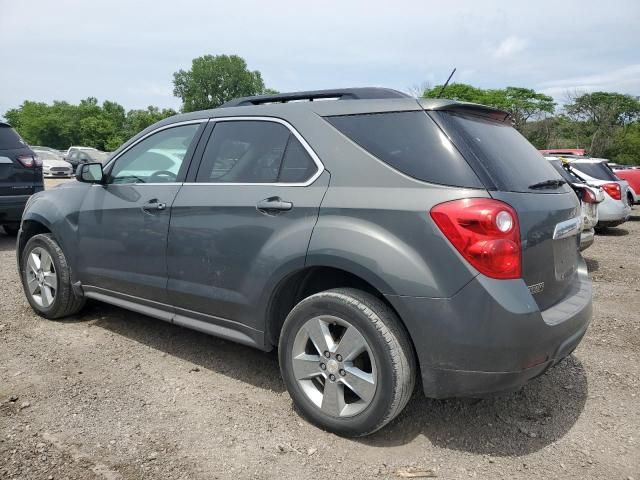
point(410, 142)
point(568, 176)
point(509, 160)
point(9, 138)
point(598, 170)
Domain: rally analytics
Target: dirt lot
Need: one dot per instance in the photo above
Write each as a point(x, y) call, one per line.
point(112, 394)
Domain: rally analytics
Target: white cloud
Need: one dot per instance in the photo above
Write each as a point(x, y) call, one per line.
point(509, 47)
point(624, 80)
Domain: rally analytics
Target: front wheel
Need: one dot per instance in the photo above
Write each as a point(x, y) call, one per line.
point(347, 361)
point(46, 278)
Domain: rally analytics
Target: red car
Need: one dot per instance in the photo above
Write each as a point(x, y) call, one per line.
point(632, 176)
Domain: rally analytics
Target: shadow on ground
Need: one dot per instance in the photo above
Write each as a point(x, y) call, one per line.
point(246, 364)
point(613, 232)
point(592, 264)
point(514, 424)
point(511, 425)
point(7, 242)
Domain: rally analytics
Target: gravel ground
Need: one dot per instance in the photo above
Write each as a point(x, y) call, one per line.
point(116, 395)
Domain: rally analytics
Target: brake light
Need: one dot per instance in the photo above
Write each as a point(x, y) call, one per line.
point(30, 161)
point(485, 232)
point(613, 189)
point(588, 196)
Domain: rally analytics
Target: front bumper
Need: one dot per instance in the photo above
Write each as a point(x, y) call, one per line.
point(11, 208)
point(491, 336)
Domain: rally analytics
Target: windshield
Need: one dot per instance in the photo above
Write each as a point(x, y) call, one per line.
point(45, 155)
point(507, 158)
point(96, 155)
point(598, 170)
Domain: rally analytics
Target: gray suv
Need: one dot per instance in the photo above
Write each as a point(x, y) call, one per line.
point(370, 238)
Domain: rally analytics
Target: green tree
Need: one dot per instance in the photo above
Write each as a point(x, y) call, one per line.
point(214, 80)
point(522, 104)
point(138, 120)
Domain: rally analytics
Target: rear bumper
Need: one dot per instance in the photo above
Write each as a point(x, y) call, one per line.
point(613, 212)
point(586, 238)
point(11, 208)
point(491, 336)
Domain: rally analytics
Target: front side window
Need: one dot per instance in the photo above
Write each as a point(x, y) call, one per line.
point(156, 159)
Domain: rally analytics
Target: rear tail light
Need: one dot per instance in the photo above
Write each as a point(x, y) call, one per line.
point(30, 161)
point(613, 189)
point(485, 232)
point(588, 196)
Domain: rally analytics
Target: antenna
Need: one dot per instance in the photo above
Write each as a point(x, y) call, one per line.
point(446, 83)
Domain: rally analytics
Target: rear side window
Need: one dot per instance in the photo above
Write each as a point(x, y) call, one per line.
point(568, 176)
point(9, 138)
point(410, 142)
point(599, 171)
point(248, 151)
point(509, 160)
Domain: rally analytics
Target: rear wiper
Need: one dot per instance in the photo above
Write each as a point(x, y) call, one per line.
point(547, 184)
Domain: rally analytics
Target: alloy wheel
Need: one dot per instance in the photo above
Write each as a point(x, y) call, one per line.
point(42, 280)
point(334, 366)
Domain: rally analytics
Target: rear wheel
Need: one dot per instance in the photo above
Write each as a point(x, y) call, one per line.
point(346, 361)
point(46, 278)
point(11, 230)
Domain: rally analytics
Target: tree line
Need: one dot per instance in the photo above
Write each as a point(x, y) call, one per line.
point(606, 124)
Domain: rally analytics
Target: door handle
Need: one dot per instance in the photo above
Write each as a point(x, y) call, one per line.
point(154, 204)
point(273, 205)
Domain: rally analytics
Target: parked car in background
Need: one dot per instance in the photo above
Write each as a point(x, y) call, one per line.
point(632, 177)
point(81, 155)
point(53, 165)
point(20, 177)
point(615, 209)
point(564, 152)
point(369, 238)
point(48, 149)
point(590, 197)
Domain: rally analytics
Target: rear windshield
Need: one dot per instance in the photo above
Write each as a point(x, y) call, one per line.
point(9, 138)
point(598, 170)
point(509, 160)
point(410, 142)
point(568, 176)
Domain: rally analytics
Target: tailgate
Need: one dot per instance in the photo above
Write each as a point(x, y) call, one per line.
point(14, 178)
point(550, 226)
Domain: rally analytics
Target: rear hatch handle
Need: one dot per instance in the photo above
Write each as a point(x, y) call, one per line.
point(568, 228)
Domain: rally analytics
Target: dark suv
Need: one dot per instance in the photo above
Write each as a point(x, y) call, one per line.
point(370, 238)
point(20, 177)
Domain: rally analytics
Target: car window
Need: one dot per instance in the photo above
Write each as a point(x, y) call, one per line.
point(410, 142)
point(297, 164)
point(156, 159)
point(9, 138)
point(599, 171)
point(564, 173)
point(242, 151)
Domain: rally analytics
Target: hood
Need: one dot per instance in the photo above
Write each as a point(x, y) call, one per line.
point(55, 163)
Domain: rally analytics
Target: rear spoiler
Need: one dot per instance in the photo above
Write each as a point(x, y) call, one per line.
point(466, 107)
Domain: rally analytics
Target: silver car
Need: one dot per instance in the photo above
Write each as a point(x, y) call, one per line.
point(590, 198)
point(615, 209)
point(53, 165)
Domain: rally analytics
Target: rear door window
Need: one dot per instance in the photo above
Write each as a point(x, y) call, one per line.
point(410, 142)
point(509, 160)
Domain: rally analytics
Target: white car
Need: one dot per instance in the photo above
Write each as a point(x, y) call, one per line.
point(53, 165)
point(615, 209)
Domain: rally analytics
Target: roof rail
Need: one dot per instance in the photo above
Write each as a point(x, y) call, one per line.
point(368, 93)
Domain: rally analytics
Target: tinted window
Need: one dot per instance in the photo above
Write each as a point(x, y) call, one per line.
point(297, 165)
point(410, 142)
point(568, 176)
point(508, 158)
point(244, 152)
point(155, 159)
point(9, 138)
point(599, 171)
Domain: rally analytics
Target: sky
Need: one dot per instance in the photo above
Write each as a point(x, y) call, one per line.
point(127, 51)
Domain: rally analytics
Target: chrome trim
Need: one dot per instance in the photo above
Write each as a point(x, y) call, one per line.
point(152, 132)
point(5, 160)
point(292, 129)
point(568, 228)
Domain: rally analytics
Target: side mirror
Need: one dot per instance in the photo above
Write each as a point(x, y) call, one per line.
point(89, 173)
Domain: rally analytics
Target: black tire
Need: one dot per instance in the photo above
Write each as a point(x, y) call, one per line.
point(11, 230)
point(65, 302)
point(388, 341)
